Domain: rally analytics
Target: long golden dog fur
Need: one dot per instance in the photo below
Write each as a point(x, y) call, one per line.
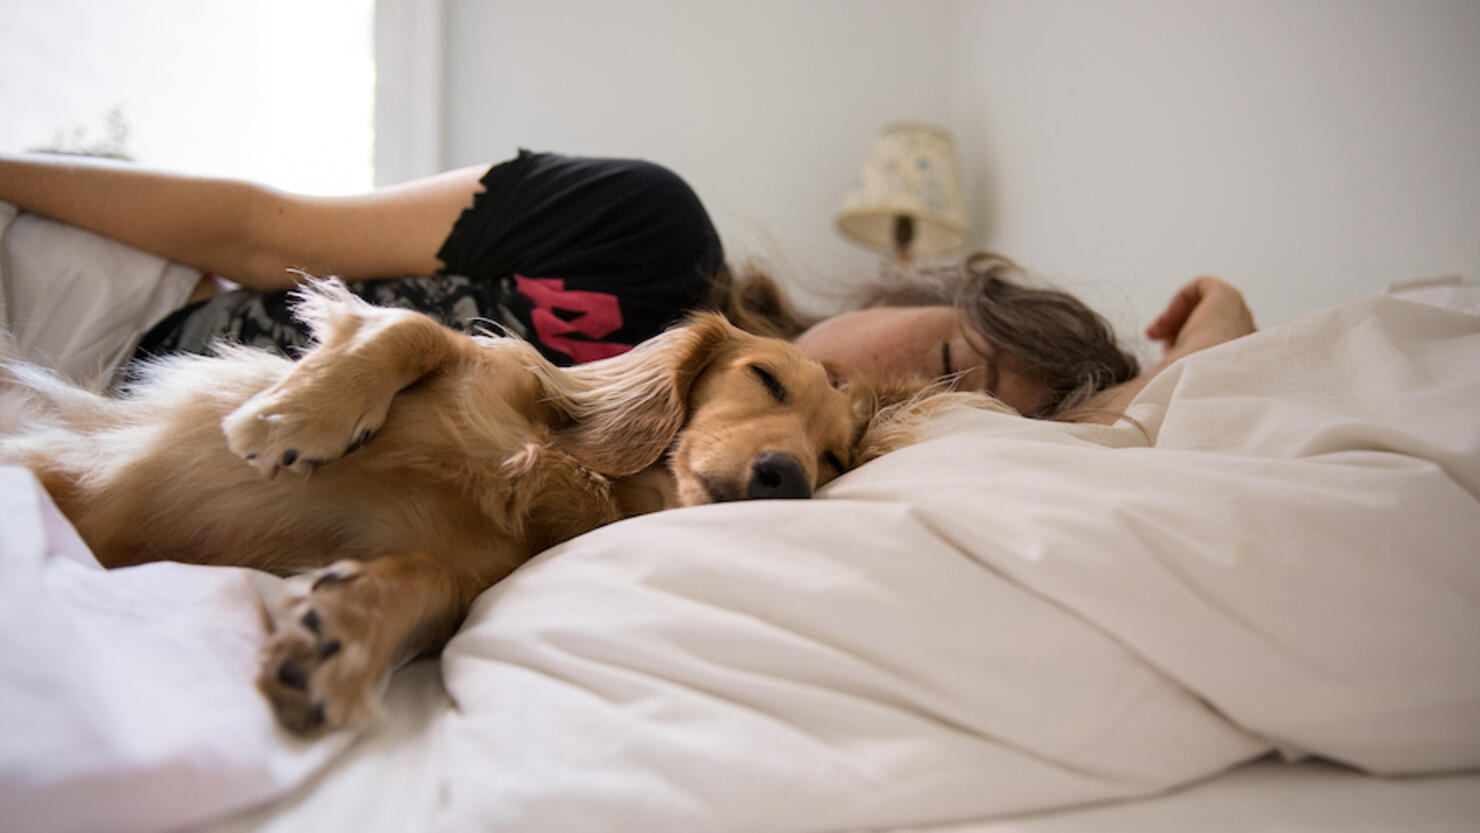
point(399, 468)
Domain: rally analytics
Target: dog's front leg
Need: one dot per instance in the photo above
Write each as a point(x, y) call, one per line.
point(339, 393)
point(338, 632)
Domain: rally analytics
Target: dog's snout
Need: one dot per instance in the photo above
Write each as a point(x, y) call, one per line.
point(777, 475)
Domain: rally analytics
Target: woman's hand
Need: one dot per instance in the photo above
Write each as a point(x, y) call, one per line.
point(1204, 313)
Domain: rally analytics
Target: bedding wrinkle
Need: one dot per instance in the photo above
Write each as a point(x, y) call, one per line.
point(1032, 552)
point(636, 691)
point(1328, 675)
point(172, 738)
point(736, 633)
point(1364, 583)
point(745, 680)
point(1072, 606)
point(86, 298)
point(1186, 574)
point(1022, 554)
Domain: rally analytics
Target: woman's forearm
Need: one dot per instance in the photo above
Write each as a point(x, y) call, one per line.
point(197, 221)
point(247, 233)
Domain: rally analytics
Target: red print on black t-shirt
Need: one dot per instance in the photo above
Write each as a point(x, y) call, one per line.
point(597, 315)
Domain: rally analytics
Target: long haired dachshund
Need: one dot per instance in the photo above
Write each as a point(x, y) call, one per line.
point(408, 467)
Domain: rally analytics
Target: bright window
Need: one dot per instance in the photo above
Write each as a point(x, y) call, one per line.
point(275, 91)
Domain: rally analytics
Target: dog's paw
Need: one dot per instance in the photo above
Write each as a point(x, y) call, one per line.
point(321, 670)
point(288, 427)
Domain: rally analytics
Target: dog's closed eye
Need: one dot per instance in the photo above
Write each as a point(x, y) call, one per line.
point(773, 387)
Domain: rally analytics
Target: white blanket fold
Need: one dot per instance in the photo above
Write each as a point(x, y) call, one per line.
point(1017, 615)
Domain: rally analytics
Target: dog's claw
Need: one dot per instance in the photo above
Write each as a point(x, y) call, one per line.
point(299, 425)
point(359, 441)
point(317, 669)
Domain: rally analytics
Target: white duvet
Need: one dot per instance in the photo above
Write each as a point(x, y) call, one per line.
point(1009, 616)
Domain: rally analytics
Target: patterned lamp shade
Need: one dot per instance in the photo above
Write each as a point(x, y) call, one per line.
point(907, 198)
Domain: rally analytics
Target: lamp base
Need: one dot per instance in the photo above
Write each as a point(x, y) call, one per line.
point(904, 233)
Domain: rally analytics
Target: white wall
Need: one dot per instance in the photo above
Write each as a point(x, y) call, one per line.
point(1308, 150)
point(765, 107)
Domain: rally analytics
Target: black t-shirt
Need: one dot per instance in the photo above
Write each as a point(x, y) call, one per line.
point(582, 257)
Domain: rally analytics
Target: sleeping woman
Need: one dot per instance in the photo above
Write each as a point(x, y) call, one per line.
point(582, 257)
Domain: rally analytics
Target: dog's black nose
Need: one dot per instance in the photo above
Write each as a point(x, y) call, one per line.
point(777, 475)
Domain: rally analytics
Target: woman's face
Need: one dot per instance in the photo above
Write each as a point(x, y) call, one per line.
point(920, 342)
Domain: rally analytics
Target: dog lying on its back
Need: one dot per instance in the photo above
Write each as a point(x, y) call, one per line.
point(477, 453)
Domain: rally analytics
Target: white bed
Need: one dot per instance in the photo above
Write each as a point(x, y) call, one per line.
point(1012, 626)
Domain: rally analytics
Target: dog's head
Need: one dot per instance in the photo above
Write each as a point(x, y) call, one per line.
point(762, 421)
point(738, 416)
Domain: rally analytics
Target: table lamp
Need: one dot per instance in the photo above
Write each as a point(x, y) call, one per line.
point(907, 198)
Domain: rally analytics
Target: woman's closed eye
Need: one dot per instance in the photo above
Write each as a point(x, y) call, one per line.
point(979, 374)
point(948, 369)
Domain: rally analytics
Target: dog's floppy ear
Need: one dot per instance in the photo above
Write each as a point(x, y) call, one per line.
point(620, 414)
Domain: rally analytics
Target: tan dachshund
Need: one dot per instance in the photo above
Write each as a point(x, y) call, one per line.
point(407, 467)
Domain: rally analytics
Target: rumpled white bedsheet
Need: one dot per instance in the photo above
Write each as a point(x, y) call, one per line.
point(1010, 616)
point(126, 696)
point(78, 302)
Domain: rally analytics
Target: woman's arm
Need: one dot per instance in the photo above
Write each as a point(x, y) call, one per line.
point(1204, 313)
point(247, 233)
